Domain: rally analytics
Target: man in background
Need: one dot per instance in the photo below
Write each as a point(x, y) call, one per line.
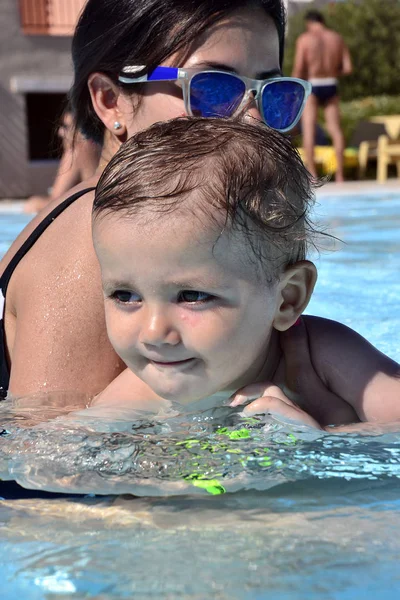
point(322, 57)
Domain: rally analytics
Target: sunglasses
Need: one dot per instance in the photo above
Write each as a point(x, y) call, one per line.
point(280, 100)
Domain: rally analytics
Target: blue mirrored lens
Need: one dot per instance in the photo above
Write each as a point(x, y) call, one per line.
point(215, 94)
point(282, 102)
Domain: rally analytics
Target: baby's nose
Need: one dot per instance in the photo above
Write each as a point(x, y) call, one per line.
point(157, 330)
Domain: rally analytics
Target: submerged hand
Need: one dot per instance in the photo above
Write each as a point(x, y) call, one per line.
point(269, 399)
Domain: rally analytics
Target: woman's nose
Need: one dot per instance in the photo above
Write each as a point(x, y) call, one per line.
point(158, 329)
point(252, 112)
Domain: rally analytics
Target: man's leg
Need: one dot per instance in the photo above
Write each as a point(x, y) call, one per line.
point(308, 123)
point(332, 120)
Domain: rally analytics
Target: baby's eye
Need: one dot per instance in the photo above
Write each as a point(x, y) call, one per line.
point(192, 296)
point(125, 297)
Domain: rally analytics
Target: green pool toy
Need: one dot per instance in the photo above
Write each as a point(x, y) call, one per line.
point(212, 486)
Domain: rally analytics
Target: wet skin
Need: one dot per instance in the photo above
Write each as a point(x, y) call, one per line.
point(184, 308)
point(55, 300)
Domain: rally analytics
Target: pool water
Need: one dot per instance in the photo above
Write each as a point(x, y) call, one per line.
point(328, 531)
point(359, 283)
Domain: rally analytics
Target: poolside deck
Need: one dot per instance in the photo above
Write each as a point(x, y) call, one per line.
point(11, 206)
point(359, 187)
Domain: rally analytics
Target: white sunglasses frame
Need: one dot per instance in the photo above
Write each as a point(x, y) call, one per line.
point(184, 77)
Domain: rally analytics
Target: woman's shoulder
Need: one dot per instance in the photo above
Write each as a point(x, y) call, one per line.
point(81, 199)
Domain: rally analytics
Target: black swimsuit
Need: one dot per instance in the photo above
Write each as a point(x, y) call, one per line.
point(7, 274)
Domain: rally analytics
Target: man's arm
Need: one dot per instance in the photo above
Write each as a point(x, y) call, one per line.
point(300, 68)
point(347, 66)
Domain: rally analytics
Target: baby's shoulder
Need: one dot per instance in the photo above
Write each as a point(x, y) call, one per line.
point(328, 329)
point(332, 344)
point(338, 346)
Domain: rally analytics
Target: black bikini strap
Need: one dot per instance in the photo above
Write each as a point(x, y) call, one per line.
point(35, 235)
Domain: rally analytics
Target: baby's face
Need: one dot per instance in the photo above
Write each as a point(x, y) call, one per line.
point(184, 308)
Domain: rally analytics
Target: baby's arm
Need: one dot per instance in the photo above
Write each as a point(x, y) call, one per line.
point(349, 366)
point(333, 376)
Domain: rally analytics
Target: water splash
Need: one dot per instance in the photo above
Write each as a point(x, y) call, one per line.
point(212, 452)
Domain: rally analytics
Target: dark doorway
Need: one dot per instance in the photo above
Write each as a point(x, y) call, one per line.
point(43, 115)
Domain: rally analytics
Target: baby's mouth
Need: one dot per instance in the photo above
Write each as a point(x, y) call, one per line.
point(165, 364)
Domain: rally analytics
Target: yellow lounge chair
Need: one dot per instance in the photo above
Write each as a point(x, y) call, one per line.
point(385, 149)
point(325, 157)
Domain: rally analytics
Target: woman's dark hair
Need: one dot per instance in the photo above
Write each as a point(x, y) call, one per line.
point(111, 34)
point(246, 174)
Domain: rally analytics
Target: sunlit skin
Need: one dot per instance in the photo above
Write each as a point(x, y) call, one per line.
point(185, 309)
point(196, 321)
point(232, 344)
point(56, 288)
point(81, 334)
point(246, 43)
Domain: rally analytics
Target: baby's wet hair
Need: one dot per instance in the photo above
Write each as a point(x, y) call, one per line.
point(242, 175)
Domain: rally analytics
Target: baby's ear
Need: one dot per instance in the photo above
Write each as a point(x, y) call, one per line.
point(295, 287)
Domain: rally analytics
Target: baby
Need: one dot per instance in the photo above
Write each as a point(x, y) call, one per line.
point(201, 230)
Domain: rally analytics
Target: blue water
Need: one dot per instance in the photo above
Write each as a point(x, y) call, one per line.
point(315, 538)
point(359, 282)
point(11, 223)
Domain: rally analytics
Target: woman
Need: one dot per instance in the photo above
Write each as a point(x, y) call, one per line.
point(54, 329)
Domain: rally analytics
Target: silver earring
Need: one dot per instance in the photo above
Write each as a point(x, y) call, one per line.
point(117, 125)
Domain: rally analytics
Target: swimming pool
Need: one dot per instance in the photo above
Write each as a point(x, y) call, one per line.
point(330, 539)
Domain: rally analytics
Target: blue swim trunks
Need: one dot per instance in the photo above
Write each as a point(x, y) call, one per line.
point(324, 89)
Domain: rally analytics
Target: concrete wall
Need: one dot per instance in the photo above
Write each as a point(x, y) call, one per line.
point(27, 63)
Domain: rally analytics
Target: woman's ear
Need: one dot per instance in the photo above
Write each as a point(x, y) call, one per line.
point(105, 95)
point(295, 288)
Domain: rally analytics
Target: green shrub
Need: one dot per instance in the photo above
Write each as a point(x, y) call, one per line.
point(371, 29)
point(361, 110)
